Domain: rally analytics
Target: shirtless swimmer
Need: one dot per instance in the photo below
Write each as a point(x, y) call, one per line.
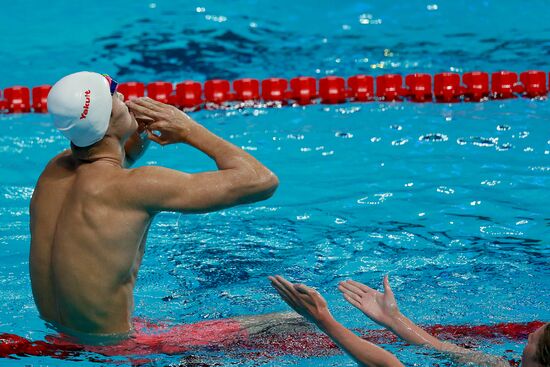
point(90, 214)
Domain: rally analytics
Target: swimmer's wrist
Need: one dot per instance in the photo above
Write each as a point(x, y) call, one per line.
point(191, 133)
point(324, 319)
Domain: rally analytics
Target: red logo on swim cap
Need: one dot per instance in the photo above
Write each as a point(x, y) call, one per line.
point(87, 94)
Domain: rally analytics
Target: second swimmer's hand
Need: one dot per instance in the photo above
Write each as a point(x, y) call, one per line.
point(379, 307)
point(304, 300)
point(164, 124)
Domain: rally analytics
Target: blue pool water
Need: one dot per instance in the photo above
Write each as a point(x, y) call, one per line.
point(450, 200)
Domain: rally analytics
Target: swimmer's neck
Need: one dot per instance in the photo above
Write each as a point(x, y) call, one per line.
point(110, 149)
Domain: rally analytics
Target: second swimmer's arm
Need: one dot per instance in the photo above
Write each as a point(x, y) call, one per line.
point(382, 309)
point(413, 334)
point(362, 351)
point(311, 305)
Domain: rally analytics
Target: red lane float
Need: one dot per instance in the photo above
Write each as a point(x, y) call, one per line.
point(447, 87)
point(216, 92)
point(534, 83)
point(306, 344)
point(219, 93)
point(274, 90)
point(504, 84)
point(188, 95)
point(18, 99)
point(332, 90)
point(246, 90)
point(389, 87)
point(303, 89)
point(40, 98)
point(131, 90)
point(419, 87)
point(361, 88)
point(159, 91)
point(477, 86)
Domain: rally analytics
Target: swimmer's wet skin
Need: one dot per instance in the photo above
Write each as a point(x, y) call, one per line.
point(382, 309)
point(90, 214)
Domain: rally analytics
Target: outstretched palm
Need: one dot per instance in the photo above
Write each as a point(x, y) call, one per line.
point(379, 307)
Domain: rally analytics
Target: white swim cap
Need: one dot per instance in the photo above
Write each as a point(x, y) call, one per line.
point(81, 105)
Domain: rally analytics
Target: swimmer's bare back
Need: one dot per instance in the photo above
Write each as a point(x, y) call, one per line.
point(89, 218)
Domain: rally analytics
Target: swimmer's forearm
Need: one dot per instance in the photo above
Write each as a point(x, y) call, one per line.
point(226, 155)
point(134, 148)
point(362, 351)
point(413, 334)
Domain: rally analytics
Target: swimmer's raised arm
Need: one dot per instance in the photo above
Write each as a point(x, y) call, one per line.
point(240, 177)
point(311, 305)
point(382, 309)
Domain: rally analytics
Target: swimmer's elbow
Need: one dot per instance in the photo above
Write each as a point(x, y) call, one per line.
point(266, 185)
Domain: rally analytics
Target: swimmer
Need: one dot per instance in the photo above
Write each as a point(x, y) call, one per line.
point(382, 309)
point(90, 213)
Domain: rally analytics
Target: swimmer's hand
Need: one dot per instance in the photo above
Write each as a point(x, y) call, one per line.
point(304, 300)
point(379, 307)
point(163, 123)
point(311, 305)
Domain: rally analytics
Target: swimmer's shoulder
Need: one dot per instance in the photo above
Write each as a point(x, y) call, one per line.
point(153, 172)
point(63, 162)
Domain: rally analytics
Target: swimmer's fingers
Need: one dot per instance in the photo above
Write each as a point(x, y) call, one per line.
point(149, 103)
point(139, 109)
point(387, 288)
point(310, 295)
point(348, 294)
point(284, 292)
point(352, 300)
point(362, 287)
point(287, 299)
point(304, 289)
point(351, 288)
point(288, 286)
point(158, 125)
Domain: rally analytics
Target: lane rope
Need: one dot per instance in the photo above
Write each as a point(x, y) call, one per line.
point(305, 344)
point(304, 90)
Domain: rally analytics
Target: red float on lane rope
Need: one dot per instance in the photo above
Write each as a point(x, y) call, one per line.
point(159, 91)
point(18, 99)
point(419, 87)
point(477, 86)
point(447, 87)
point(131, 90)
point(504, 84)
point(274, 90)
point(188, 95)
point(40, 98)
point(246, 89)
point(534, 83)
point(216, 92)
point(303, 89)
point(389, 87)
point(332, 90)
point(361, 88)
